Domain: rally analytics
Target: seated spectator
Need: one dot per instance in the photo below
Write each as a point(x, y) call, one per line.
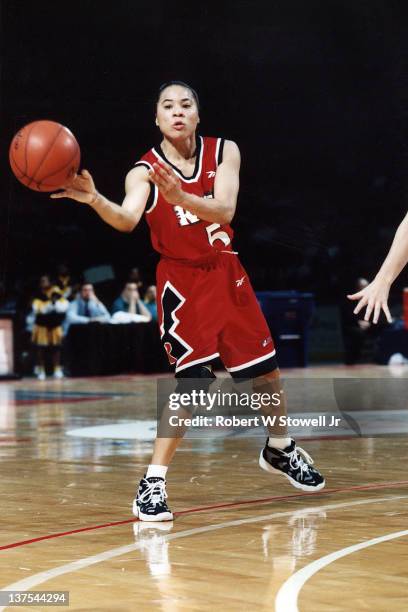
point(129, 303)
point(86, 308)
point(150, 301)
point(45, 321)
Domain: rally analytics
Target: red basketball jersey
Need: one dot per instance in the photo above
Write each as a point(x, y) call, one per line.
point(178, 233)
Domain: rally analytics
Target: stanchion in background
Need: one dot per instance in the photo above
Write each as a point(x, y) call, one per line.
point(7, 348)
point(405, 306)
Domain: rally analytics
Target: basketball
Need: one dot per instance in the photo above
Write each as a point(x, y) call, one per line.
point(44, 155)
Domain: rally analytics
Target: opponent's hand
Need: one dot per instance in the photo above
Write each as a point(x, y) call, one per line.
point(81, 188)
point(364, 325)
point(375, 297)
point(167, 182)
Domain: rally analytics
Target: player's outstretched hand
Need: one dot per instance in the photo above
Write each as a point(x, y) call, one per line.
point(81, 188)
point(375, 297)
point(168, 183)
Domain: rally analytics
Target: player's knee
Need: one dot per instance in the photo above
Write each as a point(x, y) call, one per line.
point(197, 377)
point(266, 381)
point(272, 375)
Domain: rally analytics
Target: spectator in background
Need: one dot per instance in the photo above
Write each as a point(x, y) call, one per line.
point(129, 307)
point(64, 281)
point(150, 301)
point(135, 277)
point(45, 320)
point(355, 330)
point(86, 308)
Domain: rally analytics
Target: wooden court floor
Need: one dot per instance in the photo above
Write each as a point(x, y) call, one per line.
point(72, 452)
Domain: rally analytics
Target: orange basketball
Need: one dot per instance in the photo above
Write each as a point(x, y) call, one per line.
point(44, 155)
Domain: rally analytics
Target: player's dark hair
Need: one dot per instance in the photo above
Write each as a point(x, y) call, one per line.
point(163, 86)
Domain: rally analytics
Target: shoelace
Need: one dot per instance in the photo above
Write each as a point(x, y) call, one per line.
point(296, 460)
point(155, 493)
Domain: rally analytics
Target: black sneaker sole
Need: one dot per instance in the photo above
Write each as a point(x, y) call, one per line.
point(163, 516)
point(264, 465)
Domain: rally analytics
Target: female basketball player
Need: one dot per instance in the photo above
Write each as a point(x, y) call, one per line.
point(188, 188)
point(375, 295)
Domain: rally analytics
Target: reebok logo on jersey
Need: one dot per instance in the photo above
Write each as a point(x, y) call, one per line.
point(211, 173)
point(240, 281)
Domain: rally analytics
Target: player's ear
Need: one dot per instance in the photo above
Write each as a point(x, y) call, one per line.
point(156, 121)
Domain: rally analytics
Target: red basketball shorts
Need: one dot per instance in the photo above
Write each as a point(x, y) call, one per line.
point(209, 310)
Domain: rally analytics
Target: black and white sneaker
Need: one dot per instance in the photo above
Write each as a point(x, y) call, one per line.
point(150, 503)
point(291, 463)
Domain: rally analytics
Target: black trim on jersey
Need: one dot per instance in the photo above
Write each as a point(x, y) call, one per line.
point(258, 369)
point(220, 151)
point(145, 164)
point(150, 199)
point(197, 161)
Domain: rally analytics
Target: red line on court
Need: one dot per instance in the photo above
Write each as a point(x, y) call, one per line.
point(12, 439)
point(265, 500)
point(59, 400)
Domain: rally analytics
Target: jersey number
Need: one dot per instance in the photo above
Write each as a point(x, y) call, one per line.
point(213, 235)
point(187, 218)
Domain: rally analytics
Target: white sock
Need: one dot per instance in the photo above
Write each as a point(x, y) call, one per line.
point(280, 443)
point(156, 471)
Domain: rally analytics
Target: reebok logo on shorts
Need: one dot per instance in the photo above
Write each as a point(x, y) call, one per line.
point(240, 281)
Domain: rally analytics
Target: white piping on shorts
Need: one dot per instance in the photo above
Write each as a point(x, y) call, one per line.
point(253, 362)
point(191, 363)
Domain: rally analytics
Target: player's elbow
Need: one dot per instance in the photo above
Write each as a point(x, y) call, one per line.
point(128, 227)
point(229, 217)
point(128, 224)
point(226, 215)
point(223, 219)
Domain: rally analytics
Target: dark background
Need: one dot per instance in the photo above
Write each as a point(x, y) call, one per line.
point(314, 93)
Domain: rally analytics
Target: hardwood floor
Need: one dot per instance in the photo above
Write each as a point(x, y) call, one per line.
point(71, 455)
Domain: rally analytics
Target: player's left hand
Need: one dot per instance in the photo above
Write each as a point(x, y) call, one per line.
point(167, 182)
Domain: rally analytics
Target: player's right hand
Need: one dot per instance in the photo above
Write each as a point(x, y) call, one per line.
point(375, 297)
point(81, 188)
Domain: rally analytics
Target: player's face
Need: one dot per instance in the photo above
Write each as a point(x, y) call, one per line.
point(177, 113)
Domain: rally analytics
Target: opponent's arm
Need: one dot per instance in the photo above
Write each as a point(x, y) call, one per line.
point(221, 208)
point(123, 218)
point(375, 295)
